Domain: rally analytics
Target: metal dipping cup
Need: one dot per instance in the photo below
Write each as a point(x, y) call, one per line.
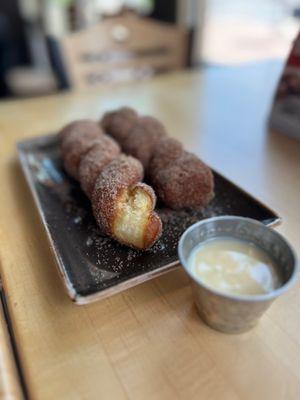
point(232, 313)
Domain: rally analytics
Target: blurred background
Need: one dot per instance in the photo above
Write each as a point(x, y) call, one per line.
point(52, 45)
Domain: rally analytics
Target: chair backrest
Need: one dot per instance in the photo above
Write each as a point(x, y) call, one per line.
point(119, 49)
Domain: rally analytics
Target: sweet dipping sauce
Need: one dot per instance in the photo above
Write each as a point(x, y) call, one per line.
point(233, 266)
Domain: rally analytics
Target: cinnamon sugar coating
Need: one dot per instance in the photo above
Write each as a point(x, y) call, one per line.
point(76, 139)
point(165, 152)
point(93, 162)
point(78, 130)
point(118, 123)
point(143, 138)
point(110, 184)
point(185, 183)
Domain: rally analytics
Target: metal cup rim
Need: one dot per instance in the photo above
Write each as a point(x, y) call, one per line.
point(245, 298)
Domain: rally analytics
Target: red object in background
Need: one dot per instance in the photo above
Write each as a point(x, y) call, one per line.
point(294, 57)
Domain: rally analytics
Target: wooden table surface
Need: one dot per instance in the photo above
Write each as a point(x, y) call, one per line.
point(148, 342)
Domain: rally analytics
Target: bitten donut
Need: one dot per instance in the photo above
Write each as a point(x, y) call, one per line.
point(185, 183)
point(123, 207)
point(165, 152)
point(92, 163)
point(143, 138)
point(118, 123)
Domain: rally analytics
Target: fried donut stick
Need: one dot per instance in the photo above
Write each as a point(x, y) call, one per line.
point(180, 179)
point(85, 129)
point(77, 139)
point(118, 123)
point(185, 183)
point(143, 138)
point(123, 207)
point(92, 163)
point(166, 151)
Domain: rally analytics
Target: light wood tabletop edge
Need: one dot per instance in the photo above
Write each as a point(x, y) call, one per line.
point(10, 383)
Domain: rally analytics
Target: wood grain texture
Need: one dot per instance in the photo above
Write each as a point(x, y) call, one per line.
point(10, 388)
point(148, 342)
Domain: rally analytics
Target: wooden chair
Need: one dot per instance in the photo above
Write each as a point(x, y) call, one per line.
point(118, 49)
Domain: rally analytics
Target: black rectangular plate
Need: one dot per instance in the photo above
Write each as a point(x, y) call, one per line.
point(93, 266)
